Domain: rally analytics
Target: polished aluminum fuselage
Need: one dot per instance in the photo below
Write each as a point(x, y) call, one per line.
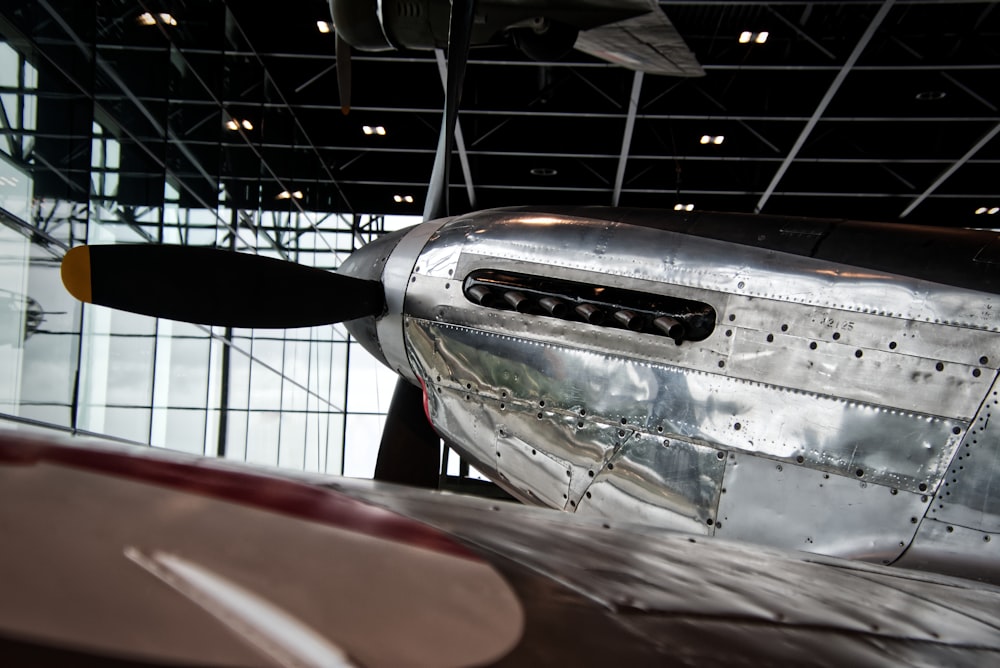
point(833, 408)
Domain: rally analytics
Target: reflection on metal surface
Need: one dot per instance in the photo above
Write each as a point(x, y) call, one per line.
point(827, 433)
point(662, 482)
point(804, 509)
point(954, 550)
point(658, 577)
point(968, 496)
point(822, 412)
point(259, 622)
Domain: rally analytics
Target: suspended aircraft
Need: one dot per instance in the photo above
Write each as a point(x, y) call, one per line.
point(635, 34)
point(825, 386)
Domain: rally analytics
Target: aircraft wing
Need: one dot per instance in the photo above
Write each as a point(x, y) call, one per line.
point(648, 43)
point(114, 555)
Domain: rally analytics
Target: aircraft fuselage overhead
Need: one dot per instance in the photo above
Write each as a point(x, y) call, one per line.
point(423, 24)
point(781, 381)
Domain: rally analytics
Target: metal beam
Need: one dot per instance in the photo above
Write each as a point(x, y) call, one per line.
point(985, 139)
point(633, 106)
point(463, 156)
point(800, 32)
point(827, 98)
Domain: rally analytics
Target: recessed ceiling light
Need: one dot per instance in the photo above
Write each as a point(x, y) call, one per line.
point(373, 130)
point(231, 124)
point(148, 19)
point(683, 207)
point(989, 211)
point(247, 125)
point(756, 37)
point(543, 171)
point(931, 95)
point(712, 139)
point(399, 199)
point(323, 27)
point(284, 194)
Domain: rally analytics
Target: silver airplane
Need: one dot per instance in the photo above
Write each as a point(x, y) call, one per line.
point(817, 385)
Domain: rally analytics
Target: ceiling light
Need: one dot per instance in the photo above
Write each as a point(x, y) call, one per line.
point(543, 171)
point(988, 211)
point(930, 95)
point(231, 124)
point(323, 26)
point(756, 37)
point(148, 19)
point(712, 139)
point(717, 139)
point(284, 194)
point(373, 130)
point(683, 207)
point(247, 125)
point(399, 199)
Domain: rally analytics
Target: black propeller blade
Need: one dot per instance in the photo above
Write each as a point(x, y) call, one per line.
point(410, 451)
point(216, 287)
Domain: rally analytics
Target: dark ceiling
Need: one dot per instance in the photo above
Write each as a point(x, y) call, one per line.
point(870, 110)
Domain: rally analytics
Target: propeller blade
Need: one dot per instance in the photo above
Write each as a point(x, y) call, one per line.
point(344, 74)
point(410, 452)
point(215, 287)
point(459, 36)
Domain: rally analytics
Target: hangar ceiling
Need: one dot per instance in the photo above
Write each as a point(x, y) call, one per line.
point(870, 110)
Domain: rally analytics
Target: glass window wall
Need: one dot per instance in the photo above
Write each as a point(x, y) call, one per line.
point(103, 153)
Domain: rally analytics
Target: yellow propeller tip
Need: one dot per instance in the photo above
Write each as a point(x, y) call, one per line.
point(76, 273)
